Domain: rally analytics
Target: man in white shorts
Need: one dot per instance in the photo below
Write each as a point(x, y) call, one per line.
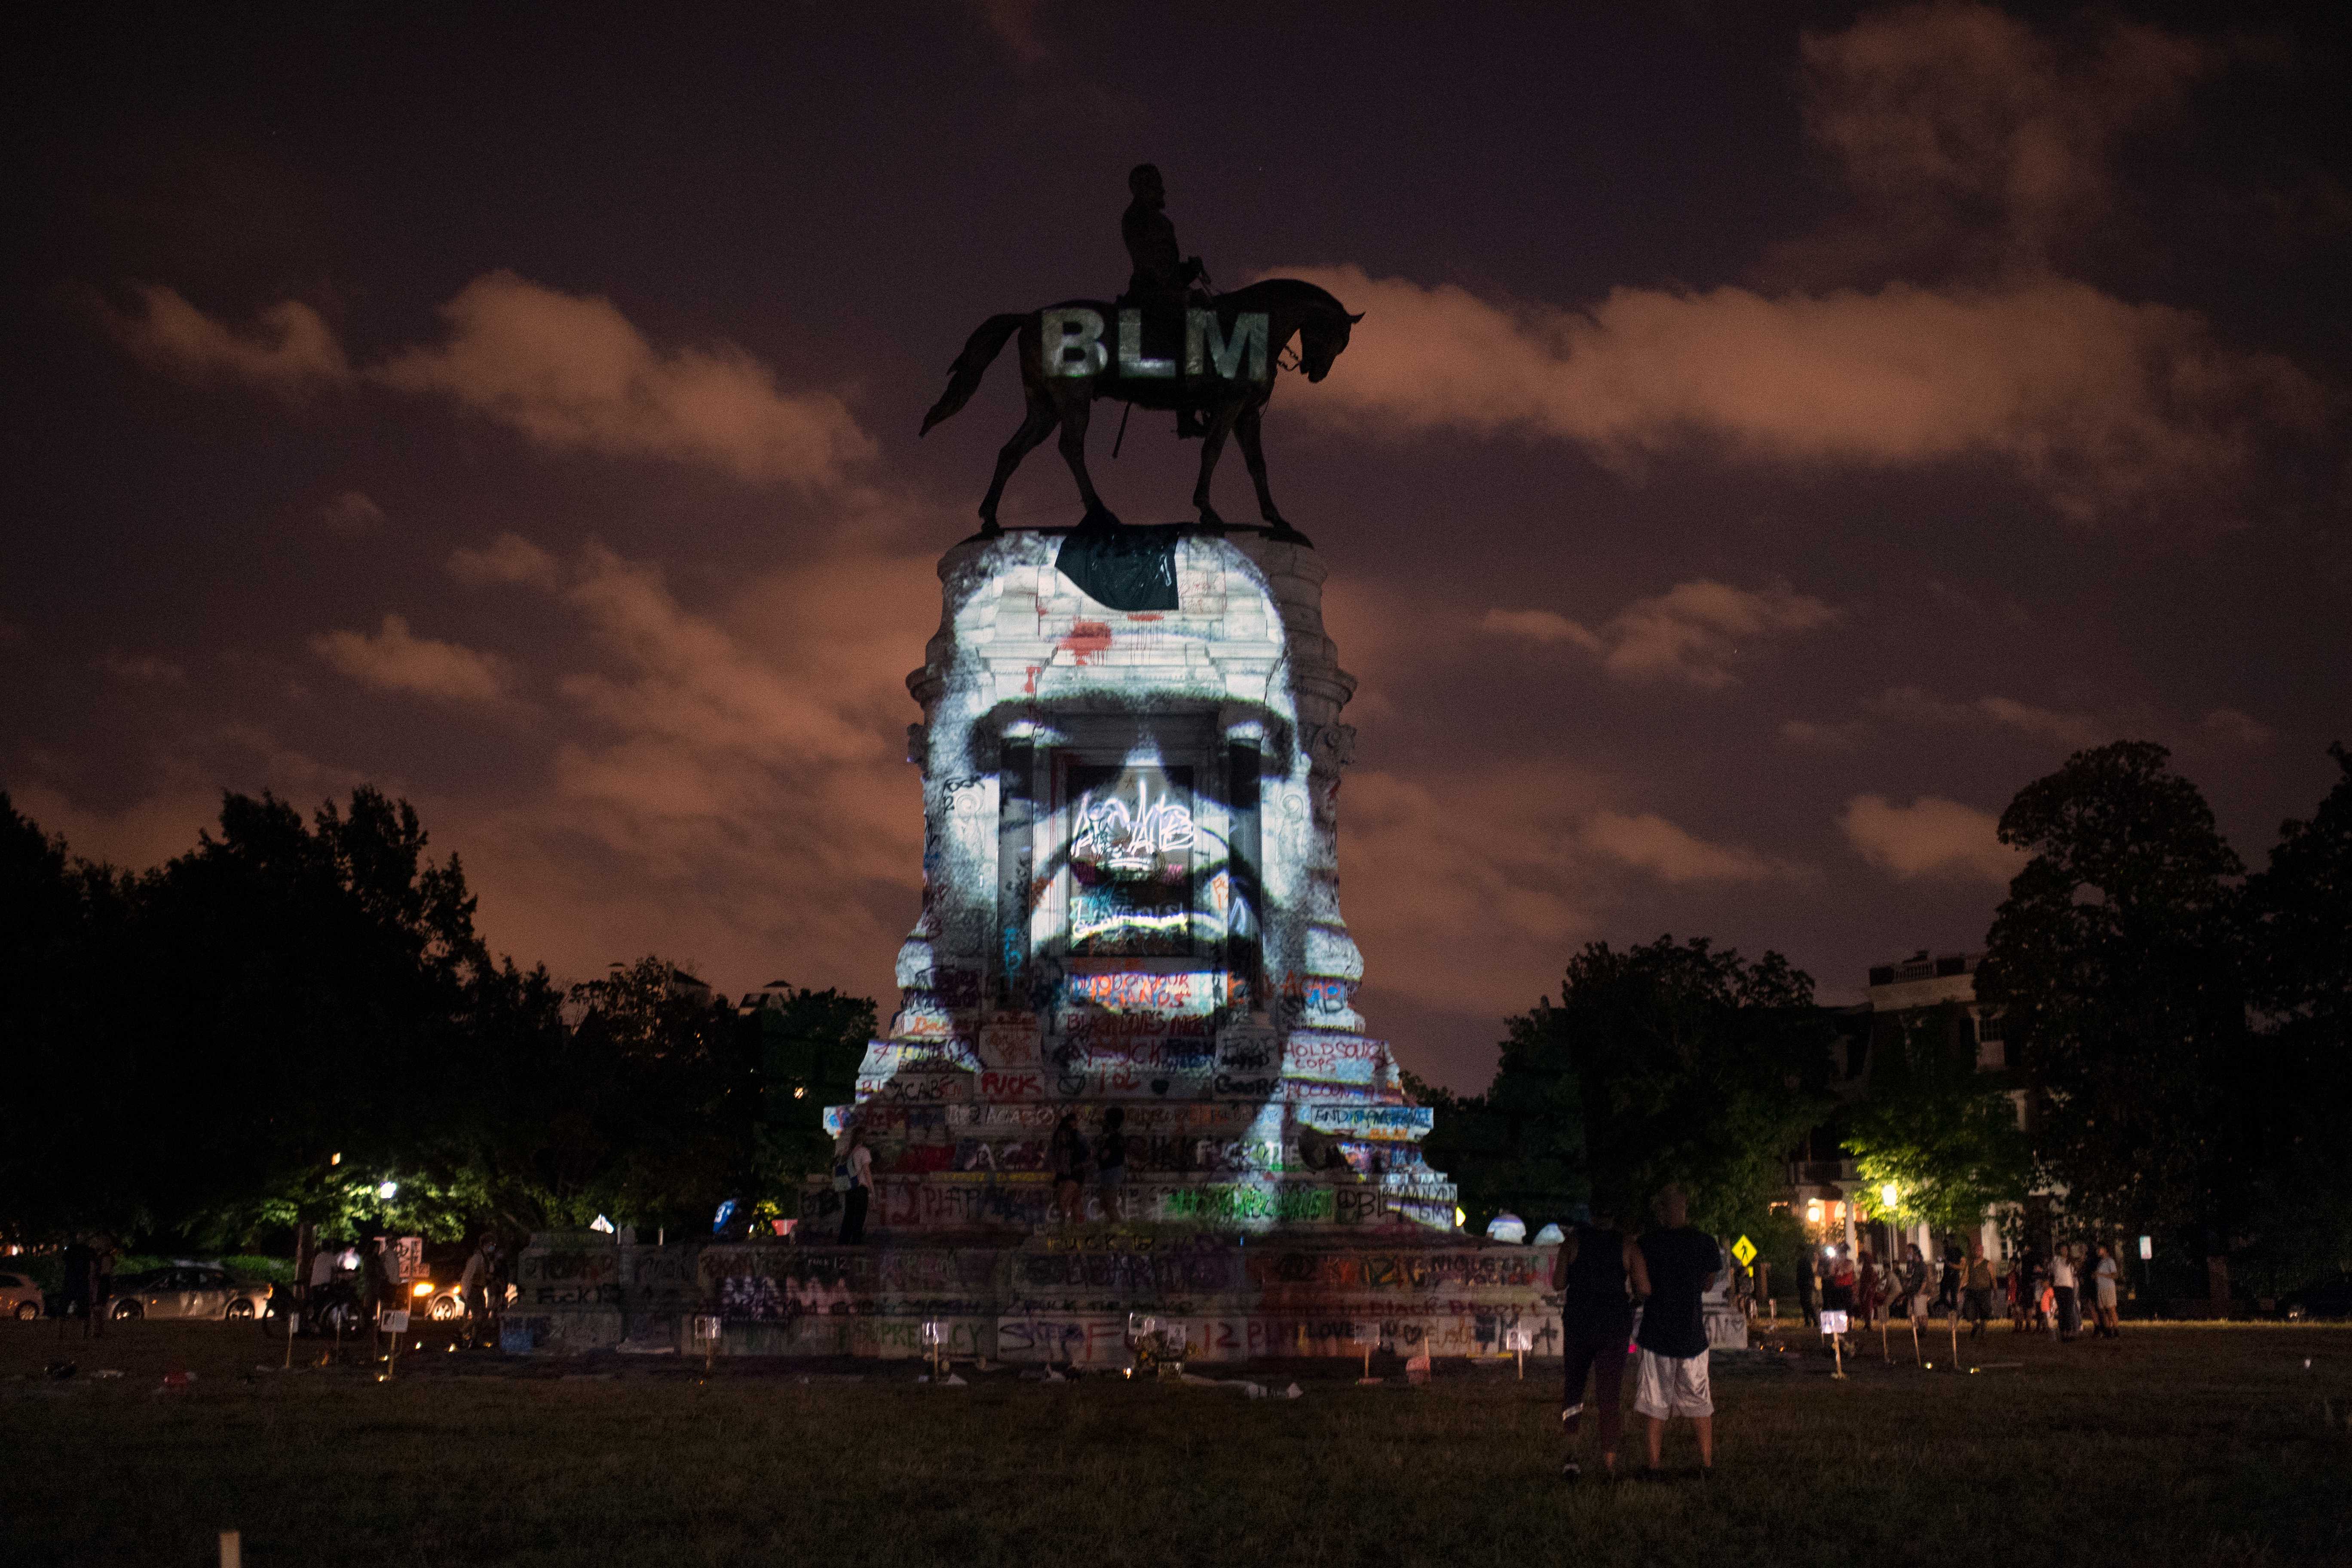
point(1673, 1267)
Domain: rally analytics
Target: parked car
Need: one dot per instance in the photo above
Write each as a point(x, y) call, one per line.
point(2327, 1298)
point(19, 1296)
point(437, 1300)
point(188, 1290)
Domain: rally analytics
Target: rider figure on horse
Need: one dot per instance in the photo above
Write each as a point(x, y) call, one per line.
point(1164, 281)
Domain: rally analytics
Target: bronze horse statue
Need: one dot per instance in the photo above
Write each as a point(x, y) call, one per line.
point(1232, 344)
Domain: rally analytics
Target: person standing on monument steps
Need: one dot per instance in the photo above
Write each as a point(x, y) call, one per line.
point(1110, 1164)
point(859, 1159)
point(1673, 1267)
point(1596, 1317)
point(1163, 274)
point(1067, 1151)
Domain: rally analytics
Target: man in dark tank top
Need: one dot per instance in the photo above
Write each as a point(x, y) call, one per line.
point(1596, 1319)
point(1673, 1267)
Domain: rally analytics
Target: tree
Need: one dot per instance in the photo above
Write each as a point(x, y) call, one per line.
point(807, 1045)
point(1520, 1147)
point(1686, 1065)
point(1944, 1133)
point(2299, 949)
point(61, 921)
point(2116, 965)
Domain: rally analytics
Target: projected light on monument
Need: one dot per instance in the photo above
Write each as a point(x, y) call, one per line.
point(1131, 899)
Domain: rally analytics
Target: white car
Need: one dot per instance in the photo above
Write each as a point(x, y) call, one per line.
point(19, 1296)
point(188, 1290)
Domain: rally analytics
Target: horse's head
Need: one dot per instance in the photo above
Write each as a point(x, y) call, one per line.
point(1322, 338)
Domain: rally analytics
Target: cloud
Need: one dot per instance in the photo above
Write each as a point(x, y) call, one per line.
point(289, 350)
point(733, 776)
point(569, 371)
point(2238, 728)
point(351, 512)
point(2073, 730)
point(1693, 632)
point(1941, 116)
point(1465, 889)
point(1930, 837)
point(395, 659)
point(145, 670)
point(509, 558)
point(1014, 25)
point(1650, 843)
point(2100, 404)
point(1807, 735)
point(1542, 627)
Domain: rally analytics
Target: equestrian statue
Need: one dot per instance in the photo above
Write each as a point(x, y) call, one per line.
point(1166, 343)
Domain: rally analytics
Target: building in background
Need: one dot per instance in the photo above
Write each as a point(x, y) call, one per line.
point(1917, 997)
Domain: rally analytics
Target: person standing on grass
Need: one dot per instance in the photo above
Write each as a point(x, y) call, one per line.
point(854, 1202)
point(1948, 1287)
point(1837, 1281)
point(1809, 1287)
point(1915, 1298)
point(1868, 1288)
point(1977, 1290)
point(1673, 1268)
point(1591, 1269)
point(2063, 1285)
point(2103, 1281)
point(474, 1286)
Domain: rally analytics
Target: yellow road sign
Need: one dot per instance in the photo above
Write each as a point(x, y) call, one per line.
point(1744, 1250)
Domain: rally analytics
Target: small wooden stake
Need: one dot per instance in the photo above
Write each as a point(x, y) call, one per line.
point(231, 1548)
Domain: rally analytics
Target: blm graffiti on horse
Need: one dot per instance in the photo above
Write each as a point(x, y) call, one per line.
point(1216, 359)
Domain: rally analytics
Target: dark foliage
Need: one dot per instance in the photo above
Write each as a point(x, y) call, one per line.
point(269, 1028)
point(2183, 1034)
point(1661, 1064)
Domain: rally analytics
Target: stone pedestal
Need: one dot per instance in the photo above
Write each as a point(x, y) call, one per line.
point(1131, 901)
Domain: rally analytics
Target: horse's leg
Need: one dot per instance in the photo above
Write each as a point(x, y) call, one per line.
point(1075, 406)
point(1213, 447)
point(1246, 425)
point(1034, 427)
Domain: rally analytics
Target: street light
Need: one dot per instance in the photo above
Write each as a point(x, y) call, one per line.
point(388, 1192)
point(1887, 1194)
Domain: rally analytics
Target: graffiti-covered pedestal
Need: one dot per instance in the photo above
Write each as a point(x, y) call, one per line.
point(1131, 903)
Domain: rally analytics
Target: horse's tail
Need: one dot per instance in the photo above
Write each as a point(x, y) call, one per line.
point(979, 351)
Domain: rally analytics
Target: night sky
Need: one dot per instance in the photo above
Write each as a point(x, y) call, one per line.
point(1775, 436)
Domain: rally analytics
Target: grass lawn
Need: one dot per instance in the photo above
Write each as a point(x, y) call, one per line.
point(2180, 1445)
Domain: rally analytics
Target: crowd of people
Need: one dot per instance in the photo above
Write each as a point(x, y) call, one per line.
point(2038, 1292)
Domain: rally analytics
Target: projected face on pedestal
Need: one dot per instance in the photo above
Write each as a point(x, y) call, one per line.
point(1132, 843)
